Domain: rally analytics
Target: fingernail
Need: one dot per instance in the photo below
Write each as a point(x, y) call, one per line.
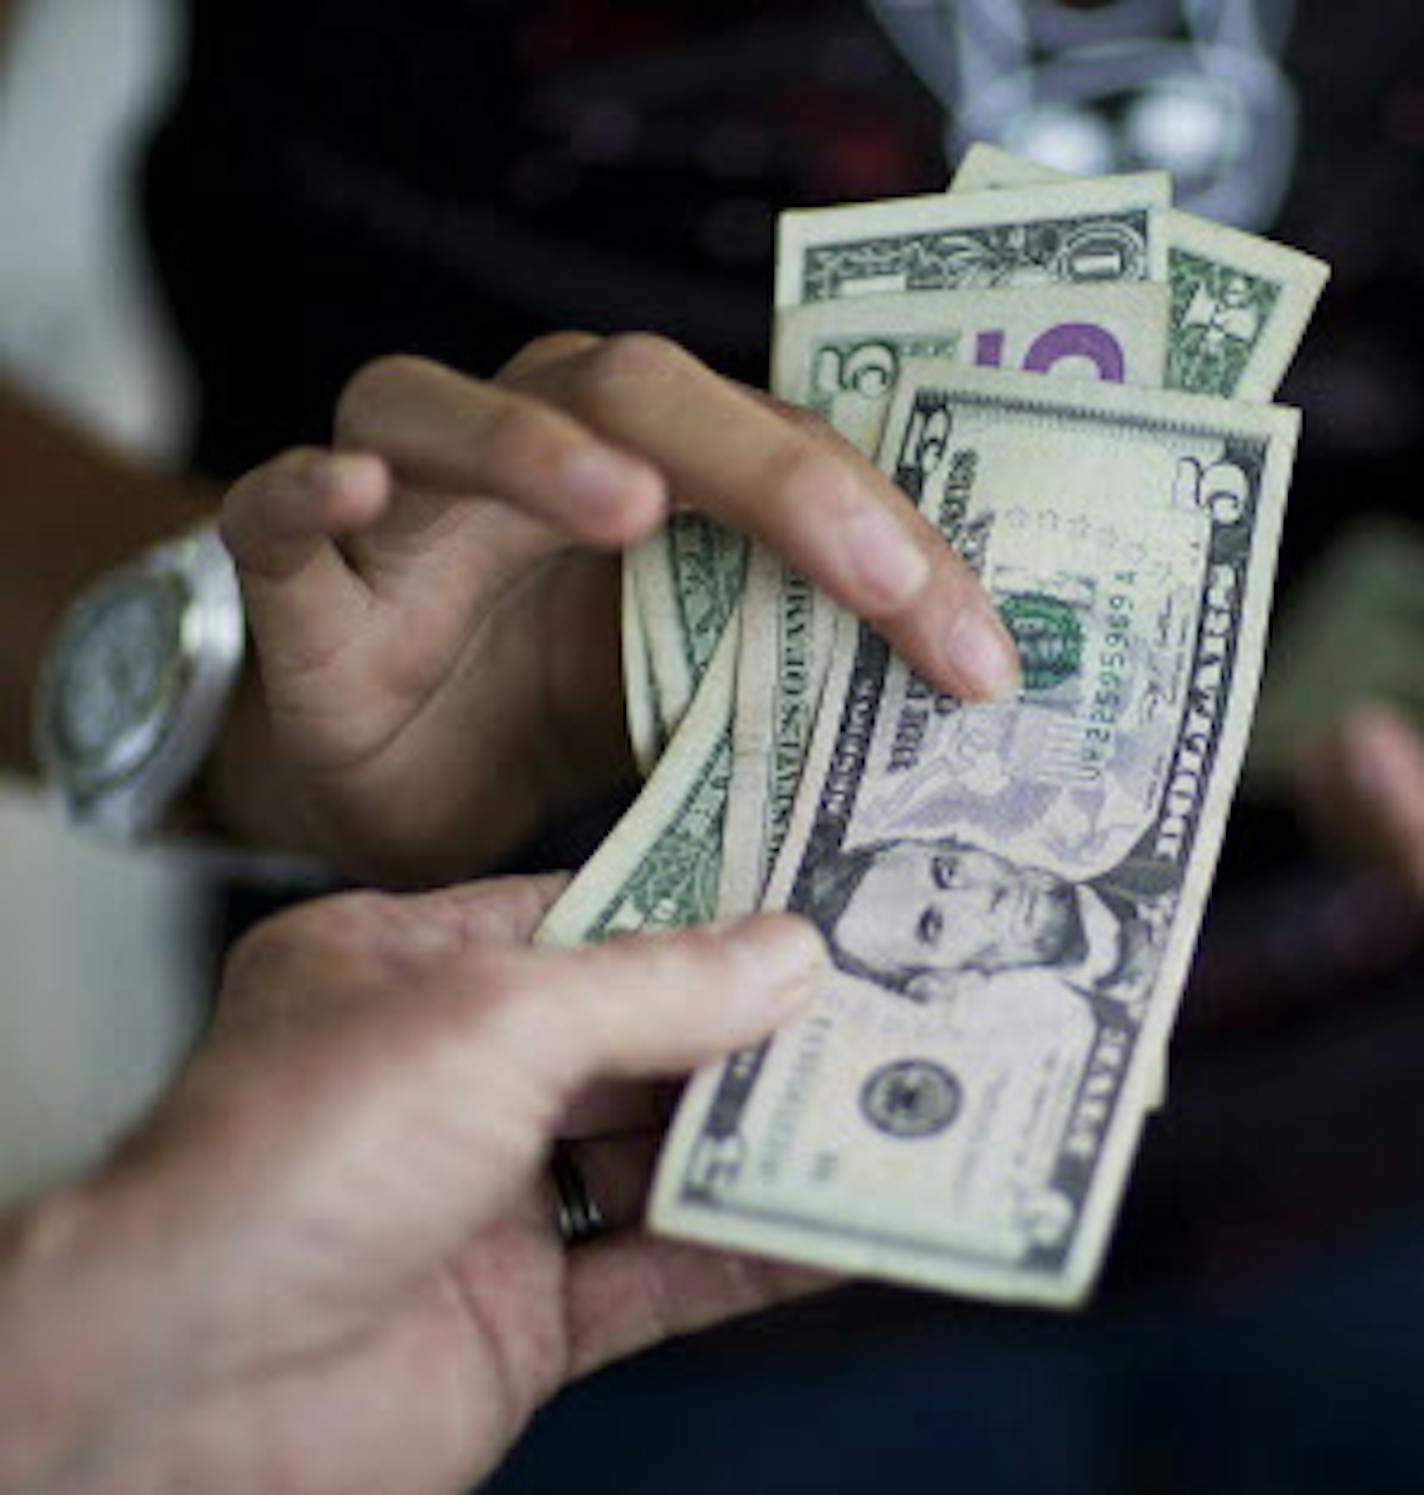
point(783, 950)
point(886, 561)
point(982, 655)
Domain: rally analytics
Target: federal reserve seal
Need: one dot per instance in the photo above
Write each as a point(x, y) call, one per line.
point(1048, 634)
point(910, 1098)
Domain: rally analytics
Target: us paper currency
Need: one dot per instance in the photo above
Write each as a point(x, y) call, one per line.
point(1010, 893)
point(965, 1118)
point(660, 866)
point(788, 629)
point(688, 577)
point(843, 360)
point(688, 580)
point(1240, 304)
point(1107, 229)
point(646, 732)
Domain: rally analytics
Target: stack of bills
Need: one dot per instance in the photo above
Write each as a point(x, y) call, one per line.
point(1010, 892)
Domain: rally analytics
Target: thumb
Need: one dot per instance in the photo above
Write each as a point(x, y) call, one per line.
point(655, 1004)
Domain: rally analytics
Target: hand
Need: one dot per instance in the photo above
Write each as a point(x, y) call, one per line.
point(328, 1263)
point(1361, 783)
point(434, 605)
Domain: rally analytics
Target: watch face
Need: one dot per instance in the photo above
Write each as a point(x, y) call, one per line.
point(120, 666)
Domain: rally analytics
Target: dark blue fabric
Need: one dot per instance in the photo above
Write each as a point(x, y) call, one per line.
point(1303, 1382)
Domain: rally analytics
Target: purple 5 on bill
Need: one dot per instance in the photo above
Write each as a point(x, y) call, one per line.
point(842, 359)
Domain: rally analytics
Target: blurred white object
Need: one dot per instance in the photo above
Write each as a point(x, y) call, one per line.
point(99, 996)
point(98, 992)
point(1191, 86)
point(78, 315)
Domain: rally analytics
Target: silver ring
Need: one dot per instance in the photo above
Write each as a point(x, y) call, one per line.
point(577, 1214)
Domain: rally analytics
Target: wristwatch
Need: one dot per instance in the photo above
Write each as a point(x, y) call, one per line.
point(133, 690)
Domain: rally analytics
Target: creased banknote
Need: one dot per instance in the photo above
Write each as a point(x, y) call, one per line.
point(1109, 229)
point(843, 361)
point(1010, 893)
point(1240, 304)
point(660, 865)
point(688, 577)
point(646, 733)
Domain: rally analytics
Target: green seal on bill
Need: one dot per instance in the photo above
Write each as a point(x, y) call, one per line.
point(1048, 634)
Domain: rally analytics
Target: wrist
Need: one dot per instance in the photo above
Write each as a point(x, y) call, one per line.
point(87, 1328)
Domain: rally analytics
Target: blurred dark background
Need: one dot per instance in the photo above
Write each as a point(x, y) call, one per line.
point(323, 181)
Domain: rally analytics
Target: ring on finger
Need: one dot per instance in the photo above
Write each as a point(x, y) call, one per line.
point(577, 1214)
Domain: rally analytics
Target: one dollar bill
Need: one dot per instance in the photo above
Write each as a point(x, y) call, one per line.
point(1240, 303)
point(1108, 229)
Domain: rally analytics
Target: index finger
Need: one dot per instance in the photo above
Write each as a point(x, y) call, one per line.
point(797, 488)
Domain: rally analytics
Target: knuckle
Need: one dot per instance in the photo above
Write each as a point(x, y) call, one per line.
point(500, 997)
point(273, 946)
point(257, 483)
point(504, 1006)
point(808, 422)
point(520, 435)
point(638, 354)
point(338, 922)
point(486, 976)
point(677, 960)
point(803, 475)
point(287, 473)
point(295, 461)
point(624, 360)
point(699, 945)
point(254, 951)
point(346, 917)
point(260, 501)
point(389, 938)
point(955, 580)
point(366, 394)
point(547, 348)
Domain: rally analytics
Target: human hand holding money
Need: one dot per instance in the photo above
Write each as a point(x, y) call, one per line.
point(434, 603)
point(1010, 892)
